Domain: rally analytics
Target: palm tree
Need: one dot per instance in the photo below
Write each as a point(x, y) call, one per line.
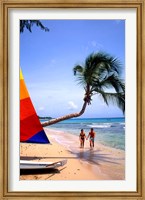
point(29, 23)
point(100, 73)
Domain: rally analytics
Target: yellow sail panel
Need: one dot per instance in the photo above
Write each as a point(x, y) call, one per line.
point(21, 75)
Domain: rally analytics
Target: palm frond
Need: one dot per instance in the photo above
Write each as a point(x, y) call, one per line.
point(114, 98)
point(78, 69)
point(111, 63)
point(39, 24)
point(100, 72)
point(29, 23)
point(110, 82)
point(100, 65)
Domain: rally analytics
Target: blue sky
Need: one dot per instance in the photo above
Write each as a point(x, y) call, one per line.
point(47, 60)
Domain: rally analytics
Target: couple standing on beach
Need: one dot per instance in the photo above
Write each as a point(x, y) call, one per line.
point(91, 135)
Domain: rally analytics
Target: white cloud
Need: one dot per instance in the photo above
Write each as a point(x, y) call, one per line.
point(94, 43)
point(72, 105)
point(41, 108)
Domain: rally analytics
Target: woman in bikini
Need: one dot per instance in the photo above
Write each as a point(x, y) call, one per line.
point(82, 137)
point(91, 135)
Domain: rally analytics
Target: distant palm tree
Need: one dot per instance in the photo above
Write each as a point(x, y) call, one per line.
point(100, 73)
point(29, 23)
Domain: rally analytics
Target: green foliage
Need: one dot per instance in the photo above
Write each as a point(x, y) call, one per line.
point(29, 23)
point(100, 73)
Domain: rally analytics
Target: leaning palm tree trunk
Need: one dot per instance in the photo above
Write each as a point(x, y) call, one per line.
point(59, 119)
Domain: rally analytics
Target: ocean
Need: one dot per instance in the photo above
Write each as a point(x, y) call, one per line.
point(109, 131)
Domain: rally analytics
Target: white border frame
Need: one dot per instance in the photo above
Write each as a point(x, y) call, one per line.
point(129, 184)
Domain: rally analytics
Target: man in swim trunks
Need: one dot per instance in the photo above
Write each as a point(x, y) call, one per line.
point(91, 135)
point(82, 137)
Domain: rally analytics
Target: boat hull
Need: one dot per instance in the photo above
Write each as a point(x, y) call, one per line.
point(24, 164)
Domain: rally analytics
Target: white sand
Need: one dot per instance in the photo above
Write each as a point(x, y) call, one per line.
point(101, 163)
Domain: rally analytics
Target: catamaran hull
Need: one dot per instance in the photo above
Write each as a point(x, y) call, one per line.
point(24, 164)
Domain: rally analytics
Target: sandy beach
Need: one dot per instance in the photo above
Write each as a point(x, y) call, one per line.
point(101, 163)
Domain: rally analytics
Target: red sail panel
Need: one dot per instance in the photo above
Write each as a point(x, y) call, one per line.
point(29, 127)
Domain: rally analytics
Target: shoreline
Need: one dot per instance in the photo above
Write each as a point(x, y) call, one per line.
point(58, 133)
point(101, 163)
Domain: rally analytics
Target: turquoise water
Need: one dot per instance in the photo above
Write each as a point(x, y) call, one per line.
point(110, 131)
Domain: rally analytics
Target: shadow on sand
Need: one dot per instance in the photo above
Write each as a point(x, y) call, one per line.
point(40, 171)
point(95, 156)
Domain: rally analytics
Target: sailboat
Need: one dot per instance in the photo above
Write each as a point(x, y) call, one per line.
point(31, 130)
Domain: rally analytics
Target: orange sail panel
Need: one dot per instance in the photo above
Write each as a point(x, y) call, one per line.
point(31, 129)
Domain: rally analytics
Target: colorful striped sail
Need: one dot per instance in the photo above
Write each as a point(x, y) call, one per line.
point(31, 129)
